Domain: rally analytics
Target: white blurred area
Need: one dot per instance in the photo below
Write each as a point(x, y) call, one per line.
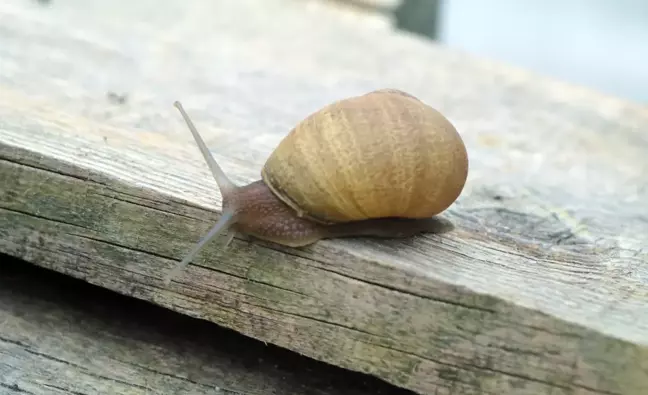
point(601, 44)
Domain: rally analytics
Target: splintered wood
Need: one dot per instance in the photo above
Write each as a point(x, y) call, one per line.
point(541, 288)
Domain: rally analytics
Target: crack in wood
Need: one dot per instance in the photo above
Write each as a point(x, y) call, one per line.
point(16, 388)
point(148, 206)
point(173, 376)
point(85, 370)
point(321, 265)
point(56, 387)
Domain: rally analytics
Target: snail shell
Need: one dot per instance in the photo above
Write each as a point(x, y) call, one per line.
point(382, 154)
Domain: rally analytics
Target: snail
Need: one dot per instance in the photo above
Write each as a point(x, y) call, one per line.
point(381, 164)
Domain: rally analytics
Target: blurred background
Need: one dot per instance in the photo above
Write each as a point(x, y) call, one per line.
point(600, 44)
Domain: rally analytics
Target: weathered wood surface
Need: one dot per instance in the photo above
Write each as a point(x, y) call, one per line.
point(542, 288)
point(60, 336)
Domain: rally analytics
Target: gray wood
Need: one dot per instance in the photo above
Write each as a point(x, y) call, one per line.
point(540, 289)
point(60, 336)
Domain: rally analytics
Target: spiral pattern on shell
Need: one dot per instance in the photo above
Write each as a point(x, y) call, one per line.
point(381, 154)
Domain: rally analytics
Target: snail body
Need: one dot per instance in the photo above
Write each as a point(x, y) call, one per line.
point(381, 164)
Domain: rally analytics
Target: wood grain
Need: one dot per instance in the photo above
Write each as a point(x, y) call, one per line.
point(60, 336)
point(540, 289)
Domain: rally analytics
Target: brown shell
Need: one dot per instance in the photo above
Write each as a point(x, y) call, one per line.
point(382, 154)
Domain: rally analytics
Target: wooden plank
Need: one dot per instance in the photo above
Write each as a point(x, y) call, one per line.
point(540, 289)
point(60, 336)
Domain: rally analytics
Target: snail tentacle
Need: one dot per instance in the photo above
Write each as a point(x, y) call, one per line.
point(226, 220)
point(227, 189)
point(225, 185)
